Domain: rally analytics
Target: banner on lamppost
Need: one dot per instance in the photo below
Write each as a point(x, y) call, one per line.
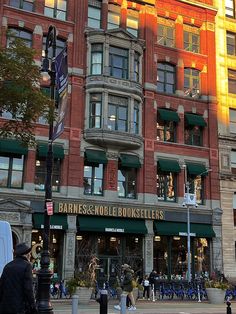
point(62, 91)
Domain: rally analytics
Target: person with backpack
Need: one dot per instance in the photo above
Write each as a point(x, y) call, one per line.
point(127, 287)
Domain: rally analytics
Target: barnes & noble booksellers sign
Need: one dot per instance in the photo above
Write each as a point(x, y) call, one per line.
point(108, 211)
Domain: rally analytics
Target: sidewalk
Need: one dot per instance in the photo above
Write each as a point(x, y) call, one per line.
point(147, 307)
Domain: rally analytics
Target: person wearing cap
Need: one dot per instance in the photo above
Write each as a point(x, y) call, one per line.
point(16, 284)
point(127, 286)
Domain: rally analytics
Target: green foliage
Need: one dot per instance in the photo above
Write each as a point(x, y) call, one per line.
point(20, 93)
point(218, 281)
point(71, 285)
point(217, 284)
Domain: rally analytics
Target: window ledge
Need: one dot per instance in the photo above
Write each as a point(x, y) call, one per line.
point(108, 138)
point(103, 81)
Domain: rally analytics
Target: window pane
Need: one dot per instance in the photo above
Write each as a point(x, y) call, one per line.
point(50, 3)
point(61, 5)
point(3, 178)
point(61, 15)
point(94, 17)
point(17, 164)
point(48, 12)
point(113, 20)
point(16, 179)
point(93, 179)
point(15, 3)
point(165, 78)
point(231, 44)
point(4, 162)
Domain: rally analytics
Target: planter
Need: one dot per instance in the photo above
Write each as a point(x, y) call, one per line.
point(84, 294)
point(215, 295)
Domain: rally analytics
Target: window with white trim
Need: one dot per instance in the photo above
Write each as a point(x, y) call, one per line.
point(56, 9)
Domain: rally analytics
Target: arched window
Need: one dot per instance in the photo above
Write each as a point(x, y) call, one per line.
point(19, 33)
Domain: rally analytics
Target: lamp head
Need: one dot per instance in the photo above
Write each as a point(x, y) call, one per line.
point(45, 69)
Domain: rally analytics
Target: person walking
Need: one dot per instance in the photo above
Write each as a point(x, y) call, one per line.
point(16, 284)
point(127, 287)
point(146, 286)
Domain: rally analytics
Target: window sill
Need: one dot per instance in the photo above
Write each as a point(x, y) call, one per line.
point(106, 138)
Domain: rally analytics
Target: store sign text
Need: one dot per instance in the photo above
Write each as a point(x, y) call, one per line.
point(109, 211)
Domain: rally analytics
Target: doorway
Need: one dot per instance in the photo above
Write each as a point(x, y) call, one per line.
point(108, 271)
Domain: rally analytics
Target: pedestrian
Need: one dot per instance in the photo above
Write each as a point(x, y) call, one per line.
point(152, 281)
point(127, 286)
point(62, 289)
point(146, 286)
point(16, 284)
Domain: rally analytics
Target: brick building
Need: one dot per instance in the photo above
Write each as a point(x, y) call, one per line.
point(226, 67)
point(141, 122)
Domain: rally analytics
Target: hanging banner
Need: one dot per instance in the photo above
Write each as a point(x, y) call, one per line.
point(61, 66)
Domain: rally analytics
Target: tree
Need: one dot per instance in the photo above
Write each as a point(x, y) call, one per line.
point(20, 93)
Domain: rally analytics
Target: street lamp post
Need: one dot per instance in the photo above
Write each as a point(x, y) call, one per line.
point(44, 274)
point(188, 236)
point(189, 200)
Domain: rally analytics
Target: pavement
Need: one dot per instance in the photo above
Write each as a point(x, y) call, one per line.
point(147, 307)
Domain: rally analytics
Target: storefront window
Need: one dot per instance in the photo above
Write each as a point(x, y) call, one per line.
point(109, 245)
point(201, 255)
point(160, 254)
point(179, 257)
point(84, 250)
point(55, 249)
point(171, 256)
point(133, 245)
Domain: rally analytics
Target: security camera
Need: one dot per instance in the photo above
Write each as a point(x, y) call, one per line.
point(184, 204)
point(196, 205)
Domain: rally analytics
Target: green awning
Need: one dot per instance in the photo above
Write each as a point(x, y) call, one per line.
point(169, 165)
point(56, 221)
point(58, 150)
point(96, 156)
point(173, 228)
point(196, 169)
point(130, 161)
point(12, 146)
point(168, 115)
point(115, 225)
point(194, 119)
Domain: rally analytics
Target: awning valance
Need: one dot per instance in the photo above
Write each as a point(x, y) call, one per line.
point(130, 161)
point(173, 228)
point(196, 169)
point(58, 150)
point(117, 225)
point(96, 156)
point(12, 146)
point(169, 165)
point(194, 119)
point(56, 221)
point(168, 115)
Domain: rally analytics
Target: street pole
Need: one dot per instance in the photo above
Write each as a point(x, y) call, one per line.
point(44, 274)
point(189, 203)
point(188, 236)
point(188, 244)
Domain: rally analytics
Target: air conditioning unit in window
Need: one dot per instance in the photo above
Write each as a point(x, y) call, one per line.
point(190, 199)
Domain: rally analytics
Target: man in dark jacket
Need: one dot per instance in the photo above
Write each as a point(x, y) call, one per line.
point(16, 284)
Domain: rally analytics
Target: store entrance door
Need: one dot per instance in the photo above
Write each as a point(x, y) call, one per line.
point(109, 270)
